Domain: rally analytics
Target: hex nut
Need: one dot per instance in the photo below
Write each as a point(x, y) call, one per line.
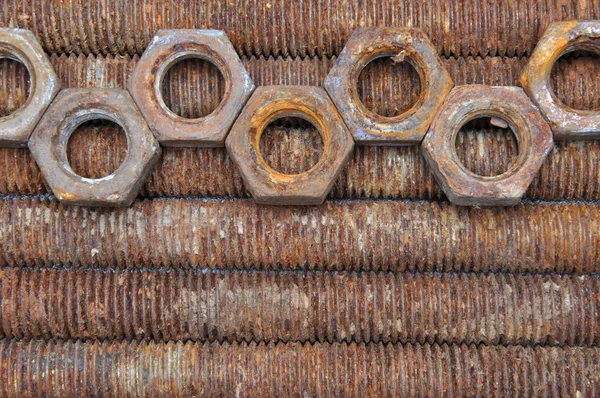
point(559, 39)
point(368, 44)
point(22, 45)
point(465, 103)
point(269, 186)
point(70, 109)
point(169, 47)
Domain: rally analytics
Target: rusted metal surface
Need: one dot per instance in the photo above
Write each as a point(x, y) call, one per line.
point(166, 49)
point(515, 111)
point(402, 45)
point(269, 186)
point(307, 28)
point(192, 369)
point(338, 235)
point(73, 107)
point(22, 46)
point(561, 38)
point(166, 305)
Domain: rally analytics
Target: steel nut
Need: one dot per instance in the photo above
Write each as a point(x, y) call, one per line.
point(22, 46)
point(559, 39)
point(465, 103)
point(70, 109)
point(368, 44)
point(169, 47)
point(269, 186)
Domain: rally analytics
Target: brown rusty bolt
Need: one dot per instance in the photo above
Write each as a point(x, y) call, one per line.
point(22, 46)
point(169, 47)
point(270, 103)
point(70, 109)
point(366, 45)
point(506, 106)
point(559, 39)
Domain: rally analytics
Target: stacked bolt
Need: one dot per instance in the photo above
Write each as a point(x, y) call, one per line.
point(353, 297)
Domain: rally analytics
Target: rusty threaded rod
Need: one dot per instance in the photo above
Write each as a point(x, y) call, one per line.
point(166, 305)
point(340, 235)
point(273, 28)
point(37, 368)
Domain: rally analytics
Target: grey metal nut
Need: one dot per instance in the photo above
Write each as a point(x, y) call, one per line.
point(559, 39)
point(169, 47)
point(364, 46)
point(269, 186)
point(70, 109)
point(465, 103)
point(22, 45)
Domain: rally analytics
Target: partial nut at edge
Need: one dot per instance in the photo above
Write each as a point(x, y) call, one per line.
point(368, 44)
point(70, 109)
point(465, 103)
point(169, 47)
point(559, 39)
point(269, 103)
point(22, 46)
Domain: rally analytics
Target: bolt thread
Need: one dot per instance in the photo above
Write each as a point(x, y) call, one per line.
point(166, 305)
point(344, 235)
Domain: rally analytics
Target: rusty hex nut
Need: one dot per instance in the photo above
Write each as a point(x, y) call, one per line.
point(22, 46)
point(169, 47)
point(559, 39)
point(466, 103)
point(70, 109)
point(368, 44)
point(269, 103)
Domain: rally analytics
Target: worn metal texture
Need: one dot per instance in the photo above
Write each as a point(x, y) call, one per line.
point(270, 186)
point(570, 172)
point(306, 28)
point(338, 235)
point(507, 107)
point(243, 306)
point(191, 369)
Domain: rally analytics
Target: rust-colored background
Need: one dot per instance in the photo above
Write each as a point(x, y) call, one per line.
point(386, 289)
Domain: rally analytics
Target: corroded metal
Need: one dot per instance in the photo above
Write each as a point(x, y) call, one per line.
point(268, 104)
point(562, 38)
point(166, 49)
point(191, 369)
point(304, 28)
point(22, 46)
point(70, 109)
point(403, 45)
point(338, 235)
point(107, 304)
point(508, 107)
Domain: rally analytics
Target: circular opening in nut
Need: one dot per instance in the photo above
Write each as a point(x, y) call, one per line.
point(575, 82)
point(96, 148)
point(192, 88)
point(487, 146)
point(389, 86)
point(16, 86)
point(291, 145)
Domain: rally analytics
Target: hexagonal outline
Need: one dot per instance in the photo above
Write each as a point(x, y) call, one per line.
point(367, 127)
point(157, 113)
point(58, 124)
point(22, 45)
point(557, 41)
point(442, 157)
point(266, 183)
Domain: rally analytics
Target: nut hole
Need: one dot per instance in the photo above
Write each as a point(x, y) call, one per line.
point(193, 88)
point(97, 148)
point(291, 145)
point(389, 86)
point(575, 82)
point(485, 148)
point(16, 86)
